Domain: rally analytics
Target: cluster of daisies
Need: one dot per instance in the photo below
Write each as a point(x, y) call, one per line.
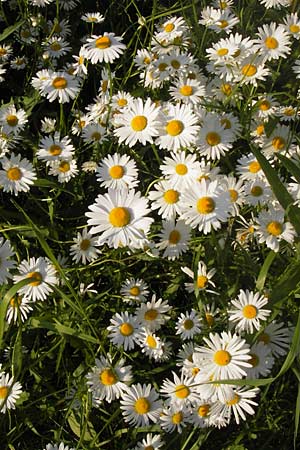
point(197, 124)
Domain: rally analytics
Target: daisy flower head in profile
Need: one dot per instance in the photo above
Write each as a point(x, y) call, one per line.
point(174, 238)
point(63, 169)
point(272, 228)
point(140, 405)
point(53, 148)
point(6, 263)
point(124, 330)
point(273, 42)
point(235, 188)
point(247, 311)
point(134, 290)
point(206, 205)
point(10, 392)
point(150, 442)
point(179, 128)
point(117, 172)
point(17, 174)
point(18, 308)
point(60, 86)
point(274, 3)
point(119, 217)
point(137, 123)
point(92, 17)
point(43, 275)
point(84, 248)
point(225, 356)
point(107, 381)
point(203, 279)
point(188, 325)
point(12, 120)
point(261, 361)
point(104, 48)
point(181, 171)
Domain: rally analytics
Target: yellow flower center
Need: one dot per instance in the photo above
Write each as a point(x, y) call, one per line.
point(254, 167)
point(205, 205)
point(226, 123)
point(177, 418)
point(2, 51)
point(233, 195)
point(107, 377)
point(12, 120)
point(25, 34)
point(257, 191)
point(3, 392)
point(169, 27)
point(202, 281)
point(85, 244)
point(171, 196)
point(275, 228)
point(265, 338)
point(182, 391)
point(59, 83)
point(254, 361)
point(14, 174)
point(162, 67)
point(151, 314)
point(260, 129)
point(116, 172)
point(294, 28)
point(64, 167)
point(222, 24)
point(149, 447)
point(249, 70)
point(126, 329)
point(55, 46)
point(209, 319)
point(195, 370)
point(181, 169)
point(104, 85)
point(222, 51)
point(96, 136)
point(222, 357)
point(37, 276)
point(271, 42)
point(175, 64)
point(174, 237)
point(289, 112)
point(249, 311)
point(142, 406)
point(119, 217)
point(233, 401)
point(188, 324)
point(278, 143)
point(151, 342)
point(139, 123)
point(15, 301)
point(135, 290)
point(226, 89)
point(122, 102)
point(55, 150)
point(212, 138)
point(174, 127)
point(103, 42)
point(186, 90)
point(146, 60)
point(264, 105)
point(203, 410)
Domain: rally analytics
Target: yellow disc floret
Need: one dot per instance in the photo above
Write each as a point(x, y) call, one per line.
point(119, 217)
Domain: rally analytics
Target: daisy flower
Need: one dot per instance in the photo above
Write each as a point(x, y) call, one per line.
point(6, 52)
point(40, 4)
point(6, 264)
point(60, 86)
point(174, 239)
point(188, 325)
point(48, 125)
point(107, 381)
point(226, 356)
point(12, 120)
point(117, 172)
point(17, 175)
point(94, 133)
point(63, 169)
point(123, 331)
point(275, 3)
point(225, 22)
point(266, 107)
point(261, 361)
point(236, 191)
point(79, 65)
point(172, 28)
point(84, 248)
point(9, 392)
point(134, 290)
point(54, 148)
point(273, 42)
point(214, 140)
point(181, 170)
point(179, 128)
point(203, 277)
point(238, 402)
point(296, 68)
point(291, 24)
point(248, 168)
point(19, 307)
point(152, 315)
point(181, 392)
point(19, 63)
point(257, 192)
point(247, 312)
point(165, 199)
point(200, 414)
point(56, 47)
point(173, 418)
point(206, 205)
point(251, 70)
point(187, 91)
point(60, 446)
point(106, 47)
point(93, 17)
point(137, 123)
point(119, 216)
point(151, 442)
point(279, 141)
point(43, 275)
point(140, 405)
point(151, 345)
point(277, 338)
point(271, 228)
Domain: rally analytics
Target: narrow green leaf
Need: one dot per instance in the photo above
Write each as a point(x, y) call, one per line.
point(11, 29)
point(294, 350)
point(286, 283)
point(297, 415)
point(261, 279)
point(58, 328)
point(290, 166)
point(17, 355)
point(87, 434)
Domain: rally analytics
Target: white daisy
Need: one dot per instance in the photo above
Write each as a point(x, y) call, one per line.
point(238, 401)
point(94, 133)
point(140, 405)
point(291, 23)
point(277, 338)
point(12, 120)
point(188, 91)
point(151, 442)
point(251, 70)
point(6, 264)
point(181, 392)
point(56, 47)
point(258, 192)
point(93, 17)
point(124, 330)
point(203, 278)
point(134, 291)
point(188, 325)
point(273, 42)
point(18, 308)
point(151, 345)
point(174, 418)
point(261, 361)
point(248, 168)
point(214, 140)
point(54, 148)
point(117, 172)
point(181, 171)
point(174, 239)
point(106, 47)
point(60, 86)
point(120, 217)
point(165, 199)
point(9, 392)
point(152, 315)
point(17, 175)
point(63, 169)
point(84, 248)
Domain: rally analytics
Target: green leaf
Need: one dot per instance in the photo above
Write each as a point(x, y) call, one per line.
point(290, 166)
point(17, 355)
point(261, 279)
point(11, 29)
point(58, 328)
point(88, 430)
point(286, 283)
point(297, 415)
